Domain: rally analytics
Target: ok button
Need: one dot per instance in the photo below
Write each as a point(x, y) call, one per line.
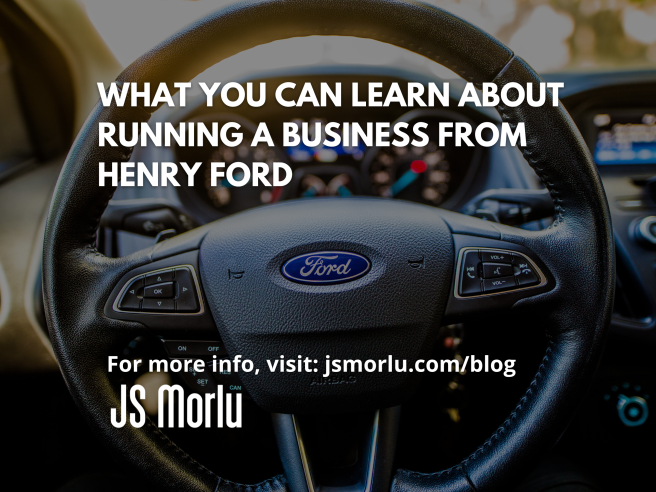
point(160, 291)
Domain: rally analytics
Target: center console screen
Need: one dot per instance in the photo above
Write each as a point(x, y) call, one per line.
point(624, 137)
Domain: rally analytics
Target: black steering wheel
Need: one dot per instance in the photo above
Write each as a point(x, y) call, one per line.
point(391, 308)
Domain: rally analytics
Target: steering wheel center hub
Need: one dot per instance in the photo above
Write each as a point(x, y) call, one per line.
point(274, 275)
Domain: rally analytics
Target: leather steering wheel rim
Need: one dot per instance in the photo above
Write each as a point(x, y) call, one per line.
point(577, 248)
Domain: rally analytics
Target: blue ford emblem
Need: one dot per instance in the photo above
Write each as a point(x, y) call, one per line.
point(326, 267)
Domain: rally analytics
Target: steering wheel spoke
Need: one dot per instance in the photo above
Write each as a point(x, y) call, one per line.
point(494, 268)
point(166, 296)
point(339, 452)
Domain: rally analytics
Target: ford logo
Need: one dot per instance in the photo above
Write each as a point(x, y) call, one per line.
point(326, 267)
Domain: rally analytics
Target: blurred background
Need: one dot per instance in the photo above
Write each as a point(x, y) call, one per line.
point(99, 38)
point(551, 35)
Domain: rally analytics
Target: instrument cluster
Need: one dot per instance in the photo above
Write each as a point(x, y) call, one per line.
point(431, 174)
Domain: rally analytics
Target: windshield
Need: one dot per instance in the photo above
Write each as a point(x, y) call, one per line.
point(550, 35)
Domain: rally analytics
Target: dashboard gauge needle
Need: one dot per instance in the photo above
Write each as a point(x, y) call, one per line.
point(315, 186)
point(310, 192)
point(416, 168)
point(344, 191)
point(337, 186)
point(276, 193)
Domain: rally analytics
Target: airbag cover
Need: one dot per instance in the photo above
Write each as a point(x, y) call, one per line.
point(392, 309)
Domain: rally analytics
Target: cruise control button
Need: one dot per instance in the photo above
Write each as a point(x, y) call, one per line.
point(187, 348)
point(160, 291)
point(496, 257)
point(230, 381)
point(494, 270)
point(525, 275)
point(158, 305)
point(159, 277)
point(470, 282)
point(187, 297)
point(498, 284)
point(131, 300)
point(199, 381)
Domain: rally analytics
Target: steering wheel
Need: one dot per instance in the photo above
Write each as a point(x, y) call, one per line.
point(413, 280)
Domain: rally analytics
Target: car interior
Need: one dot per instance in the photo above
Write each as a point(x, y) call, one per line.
point(575, 209)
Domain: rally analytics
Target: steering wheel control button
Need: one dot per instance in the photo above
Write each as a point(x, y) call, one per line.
point(470, 281)
point(498, 284)
point(168, 290)
point(187, 300)
point(496, 257)
point(632, 410)
point(199, 381)
point(228, 380)
point(189, 348)
point(158, 305)
point(487, 271)
point(131, 300)
point(495, 270)
point(160, 291)
point(525, 274)
point(159, 277)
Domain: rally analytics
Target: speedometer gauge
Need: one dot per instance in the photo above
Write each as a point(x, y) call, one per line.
point(222, 198)
point(430, 174)
point(223, 195)
point(409, 172)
